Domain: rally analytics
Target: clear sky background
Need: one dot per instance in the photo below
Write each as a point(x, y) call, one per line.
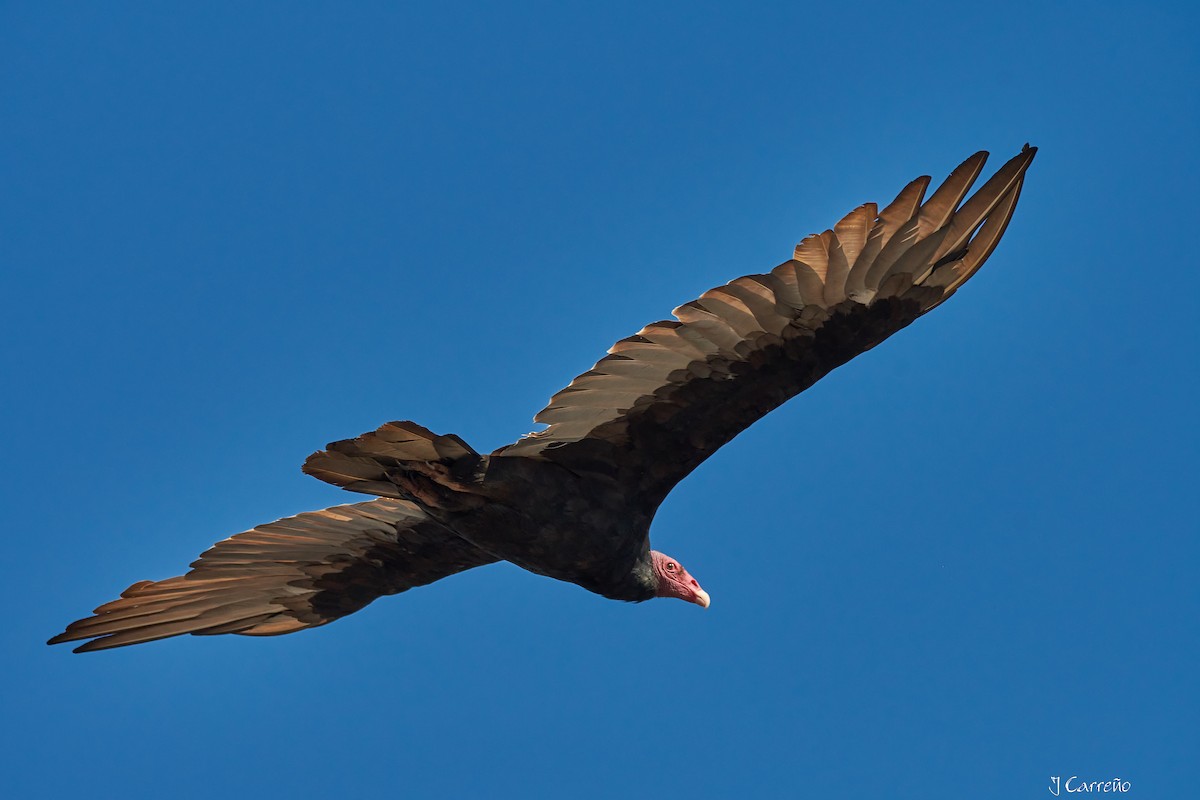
point(960, 565)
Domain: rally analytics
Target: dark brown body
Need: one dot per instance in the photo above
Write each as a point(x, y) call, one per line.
point(540, 515)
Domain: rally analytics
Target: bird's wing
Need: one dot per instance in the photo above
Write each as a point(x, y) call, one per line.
point(295, 573)
point(668, 397)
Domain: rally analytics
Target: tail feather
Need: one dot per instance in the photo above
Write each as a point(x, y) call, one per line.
point(373, 462)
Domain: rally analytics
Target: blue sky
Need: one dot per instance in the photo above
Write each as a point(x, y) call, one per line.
point(960, 565)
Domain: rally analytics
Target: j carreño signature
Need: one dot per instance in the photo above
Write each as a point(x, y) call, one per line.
point(1075, 784)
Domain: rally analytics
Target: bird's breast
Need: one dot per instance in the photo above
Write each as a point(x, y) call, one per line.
point(553, 522)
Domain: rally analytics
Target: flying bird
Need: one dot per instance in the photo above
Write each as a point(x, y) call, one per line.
point(575, 500)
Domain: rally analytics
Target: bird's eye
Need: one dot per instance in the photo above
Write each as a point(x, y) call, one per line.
point(672, 566)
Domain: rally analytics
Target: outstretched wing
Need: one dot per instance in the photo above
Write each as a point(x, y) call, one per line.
point(298, 572)
point(665, 399)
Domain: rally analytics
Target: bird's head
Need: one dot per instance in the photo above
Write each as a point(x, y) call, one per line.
point(674, 580)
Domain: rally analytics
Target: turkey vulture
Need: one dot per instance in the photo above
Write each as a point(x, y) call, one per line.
point(574, 501)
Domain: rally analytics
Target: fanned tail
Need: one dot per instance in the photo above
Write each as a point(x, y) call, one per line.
point(399, 459)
